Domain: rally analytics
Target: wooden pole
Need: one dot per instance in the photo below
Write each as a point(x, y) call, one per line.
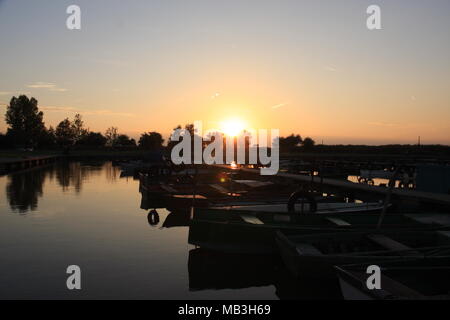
point(387, 200)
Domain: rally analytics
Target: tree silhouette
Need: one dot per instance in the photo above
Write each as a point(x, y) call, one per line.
point(151, 141)
point(78, 128)
point(125, 141)
point(65, 135)
point(24, 120)
point(111, 134)
point(92, 139)
point(47, 138)
point(308, 144)
point(291, 142)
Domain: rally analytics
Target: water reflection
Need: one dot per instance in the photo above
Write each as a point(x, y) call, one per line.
point(88, 216)
point(179, 218)
point(23, 189)
point(73, 174)
point(214, 270)
point(211, 270)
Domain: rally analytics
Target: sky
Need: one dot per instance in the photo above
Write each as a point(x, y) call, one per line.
point(305, 67)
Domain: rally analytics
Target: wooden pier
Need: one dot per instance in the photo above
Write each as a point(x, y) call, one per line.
point(12, 165)
point(357, 188)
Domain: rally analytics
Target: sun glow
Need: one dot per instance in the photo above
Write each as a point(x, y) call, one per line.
point(232, 127)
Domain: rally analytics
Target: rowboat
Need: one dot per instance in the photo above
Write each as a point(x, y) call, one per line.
point(422, 279)
point(254, 232)
point(320, 207)
point(315, 255)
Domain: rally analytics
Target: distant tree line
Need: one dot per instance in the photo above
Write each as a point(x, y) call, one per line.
point(26, 129)
point(296, 142)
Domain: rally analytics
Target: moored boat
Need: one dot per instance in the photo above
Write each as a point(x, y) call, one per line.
point(315, 255)
point(319, 208)
point(422, 279)
point(254, 232)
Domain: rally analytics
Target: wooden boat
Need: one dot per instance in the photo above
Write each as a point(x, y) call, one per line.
point(321, 207)
point(254, 232)
point(422, 279)
point(315, 255)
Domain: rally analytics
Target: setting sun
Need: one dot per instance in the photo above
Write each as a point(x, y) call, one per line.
point(232, 127)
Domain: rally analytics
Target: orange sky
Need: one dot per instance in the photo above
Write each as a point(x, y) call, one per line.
point(293, 67)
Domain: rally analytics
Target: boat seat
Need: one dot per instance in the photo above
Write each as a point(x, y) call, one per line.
point(391, 244)
point(307, 249)
point(338, 222)
point(250, 219)
point(219, 188)
point(189, 196)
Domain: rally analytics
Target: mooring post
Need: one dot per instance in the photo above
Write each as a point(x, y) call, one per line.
point(388, 196)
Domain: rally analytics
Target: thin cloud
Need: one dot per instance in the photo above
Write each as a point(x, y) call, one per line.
point(46, 85)
point(104, 112)
point(277, 106)
point(331, 68)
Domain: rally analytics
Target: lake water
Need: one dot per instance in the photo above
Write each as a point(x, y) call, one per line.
point(84, 214)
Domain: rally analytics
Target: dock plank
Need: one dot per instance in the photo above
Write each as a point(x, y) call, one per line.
point(391, 244)
point(344, 184)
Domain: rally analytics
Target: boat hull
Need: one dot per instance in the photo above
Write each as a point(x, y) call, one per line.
point(224, 230)
point(417, 279)
point(308, 256)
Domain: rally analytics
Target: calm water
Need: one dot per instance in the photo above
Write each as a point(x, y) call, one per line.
point(85, 214)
